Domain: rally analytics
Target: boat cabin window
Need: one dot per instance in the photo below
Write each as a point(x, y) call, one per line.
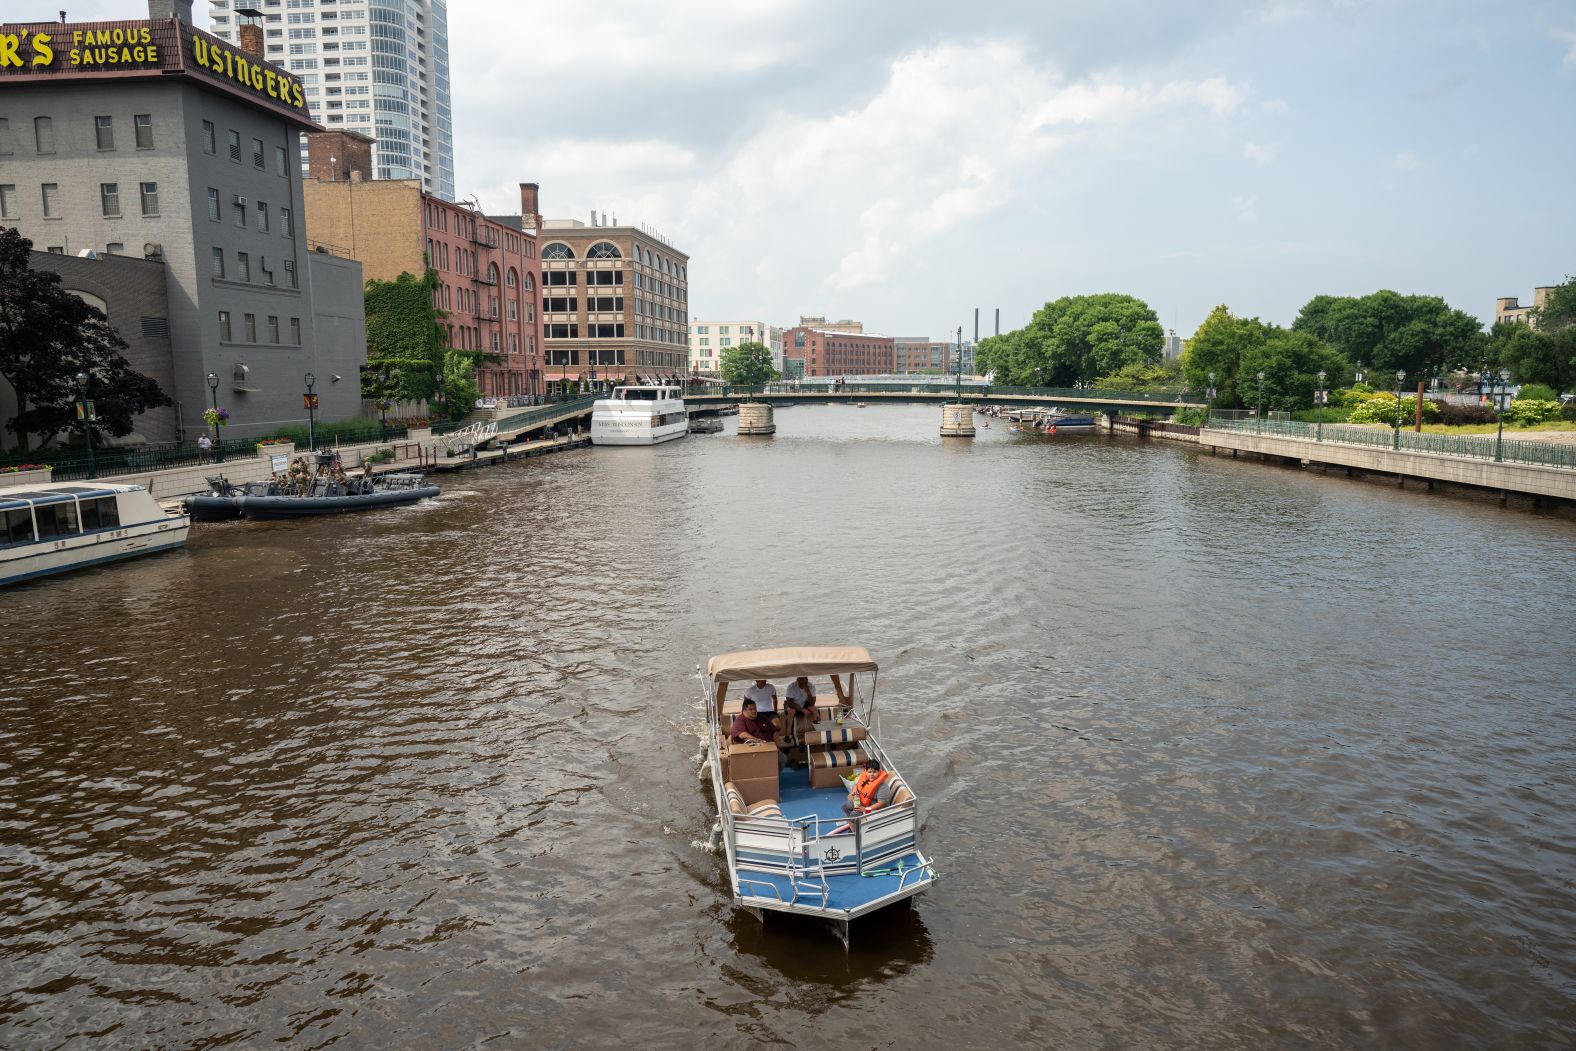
point(58, 519)
point(100, 513)
point(16, 526)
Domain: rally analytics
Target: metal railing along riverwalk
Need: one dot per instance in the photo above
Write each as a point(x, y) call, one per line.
point(1480, 447)
point(542, 414)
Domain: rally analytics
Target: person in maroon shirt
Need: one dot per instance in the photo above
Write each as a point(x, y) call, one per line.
point(747, 725)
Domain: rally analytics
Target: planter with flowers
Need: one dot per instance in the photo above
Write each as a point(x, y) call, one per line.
point(26, 474)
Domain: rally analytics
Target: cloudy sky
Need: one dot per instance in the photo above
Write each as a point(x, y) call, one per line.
point(904, 163)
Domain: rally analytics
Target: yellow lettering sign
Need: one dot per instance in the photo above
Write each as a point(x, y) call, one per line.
point(10, 44)
point(43, 54)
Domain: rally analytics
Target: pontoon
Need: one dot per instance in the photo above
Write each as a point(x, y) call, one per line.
point(789, 844)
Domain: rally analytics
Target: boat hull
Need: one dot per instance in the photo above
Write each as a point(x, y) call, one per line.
point(212, 508)
point(272, 508)
point(92, 549)
point(653, 436)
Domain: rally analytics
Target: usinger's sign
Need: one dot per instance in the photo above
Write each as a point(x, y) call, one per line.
point(49, 51)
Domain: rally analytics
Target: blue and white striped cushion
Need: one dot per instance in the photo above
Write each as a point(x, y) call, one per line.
point(735, 800)
point(840, 735)
point(838, 757)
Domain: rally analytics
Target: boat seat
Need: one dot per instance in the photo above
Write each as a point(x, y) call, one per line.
point(838, 758)
point(765, 808)
point(841, 735)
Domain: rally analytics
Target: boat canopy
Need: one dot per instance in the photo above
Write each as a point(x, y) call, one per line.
point(789, 662)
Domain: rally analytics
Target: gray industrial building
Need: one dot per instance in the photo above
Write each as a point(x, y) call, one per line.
point(156, 140)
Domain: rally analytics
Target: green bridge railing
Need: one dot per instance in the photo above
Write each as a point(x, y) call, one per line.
point(541, 414)
point(941, 391)
point(1476, 446)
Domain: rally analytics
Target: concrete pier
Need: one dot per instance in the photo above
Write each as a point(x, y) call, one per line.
point(957, 421)
point(755, 417)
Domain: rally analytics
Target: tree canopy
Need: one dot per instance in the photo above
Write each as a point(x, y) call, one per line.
point(1237, 349)
point(48, 336)
point(747, 365)
point(1386, 331)
point(1074, 339)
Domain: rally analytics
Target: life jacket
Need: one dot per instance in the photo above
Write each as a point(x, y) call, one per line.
point(867, 786)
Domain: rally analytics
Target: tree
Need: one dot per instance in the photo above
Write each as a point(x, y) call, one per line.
point(459, 382)
point(406, 339)
point(1558, 312)
point(1162, 376)
point(47, 336)
point(1387, 331)
point(1237, 349)
point(747, 365)
point(1074, 339)
point(1534, 355)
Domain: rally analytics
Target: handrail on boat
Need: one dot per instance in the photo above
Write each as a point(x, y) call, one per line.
point(925, 867)
point(757, 883)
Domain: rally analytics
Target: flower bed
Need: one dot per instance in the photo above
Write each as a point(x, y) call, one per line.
point(26, 474)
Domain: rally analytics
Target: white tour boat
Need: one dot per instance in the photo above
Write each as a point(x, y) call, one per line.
point(791, 845)
point(645, 415)
point(59, 526)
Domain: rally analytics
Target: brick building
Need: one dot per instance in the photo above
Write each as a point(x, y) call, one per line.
point(1508, 308)
point(487, 271)
point(840, 353)
point(922, 354)
point(615, 302)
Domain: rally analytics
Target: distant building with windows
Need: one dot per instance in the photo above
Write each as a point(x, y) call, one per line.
point(828, 352)
point(821, 324)
point(376, 67)
point(707, 339)
point(486, 268)
point(1506, 308)
point(615, 303)
point(184, 152)
point(1171, 348)
point(922, 354)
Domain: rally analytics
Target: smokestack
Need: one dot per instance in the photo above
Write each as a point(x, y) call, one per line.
point(976, 324)
point(530, 206)
point(604, 218)
point(593, 217)
point(998, 321)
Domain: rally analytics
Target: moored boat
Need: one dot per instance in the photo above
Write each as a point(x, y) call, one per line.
point(57, 527)
point(791, 844)
point(305, 493)
point(639, 415)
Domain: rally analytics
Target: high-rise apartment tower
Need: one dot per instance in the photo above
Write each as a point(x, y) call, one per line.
point(376, 67)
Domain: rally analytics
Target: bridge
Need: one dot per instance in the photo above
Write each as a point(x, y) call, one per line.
point(1113, 402)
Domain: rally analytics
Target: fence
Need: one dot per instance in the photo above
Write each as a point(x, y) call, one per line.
point(543, 414)
point(1481, 447)
point(974, 390)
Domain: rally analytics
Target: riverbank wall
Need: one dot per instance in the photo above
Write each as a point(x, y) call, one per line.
point(1163, 429)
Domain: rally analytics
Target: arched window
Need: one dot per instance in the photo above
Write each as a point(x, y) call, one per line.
point(512, 278)
point(558, 250)
point(492, 273)
point(530, 283)
point(604, 250)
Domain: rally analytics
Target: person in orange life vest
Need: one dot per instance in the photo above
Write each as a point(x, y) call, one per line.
point(872, 791)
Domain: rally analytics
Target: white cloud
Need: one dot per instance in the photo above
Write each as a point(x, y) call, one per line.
point(1405, 161)
point(1275, 107)
point(1568, 38)
point(1246, 208)
point(1259, 154)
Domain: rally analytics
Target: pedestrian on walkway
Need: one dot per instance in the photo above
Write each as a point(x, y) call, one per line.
point(204, 448)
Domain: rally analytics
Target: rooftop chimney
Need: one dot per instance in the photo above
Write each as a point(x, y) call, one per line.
point(530, 206)
point(159, 10)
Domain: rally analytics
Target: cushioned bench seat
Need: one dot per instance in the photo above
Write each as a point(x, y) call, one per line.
point(838, 758)
point(765, 808)
point(842, 735)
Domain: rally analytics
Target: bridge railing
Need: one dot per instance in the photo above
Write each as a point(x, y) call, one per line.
point(1477, 446)
point(976, 391)
point(541, 414)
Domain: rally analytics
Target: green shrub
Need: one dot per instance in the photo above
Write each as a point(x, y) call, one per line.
point(1382, 409)
point(1568, 411)
point(1457, 415)
point(1523, 411)
point(1355, 395)
point(1538, 392)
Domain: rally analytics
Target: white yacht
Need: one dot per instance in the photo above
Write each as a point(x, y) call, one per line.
point(58, 527)
point(646, 415)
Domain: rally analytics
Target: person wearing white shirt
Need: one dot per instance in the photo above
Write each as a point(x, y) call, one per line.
point(764, 694)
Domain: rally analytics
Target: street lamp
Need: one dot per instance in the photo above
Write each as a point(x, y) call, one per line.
point(213, 389)
point(85, 413)
point(311, 412)
point(1400, 375)
point(1500, 398)
point(1357, 377)
point(1260, 410)
point(1209, 399)
point(1320, 397)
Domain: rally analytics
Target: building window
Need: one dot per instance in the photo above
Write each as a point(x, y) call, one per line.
point(150, 198)
point(604, 250)
point(213, 203)
point(51, 200)
point(115, 248)
point(262, 216)
point(208, 145)
point(295, 331)
point(273, 328)
point(8, 200)
point(556, 250)
point(104, 129)
point(257, 154)
point(109, 199)
point(281, 161)
point(284, 223)
point(143, 124)
point(268, 275)
point(250, 321)
point(218, 261)
point(224, 326)
point(44, 134)
point(235, 145)
point(5, 136)
point(238, 208)
point(243, 266)
point(291, 270)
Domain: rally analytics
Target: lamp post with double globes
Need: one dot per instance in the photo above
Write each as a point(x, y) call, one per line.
point(213, 389)
point(85, 414)
point(1501, 401)
point(1260, 410)
point(1400, 375)
point(1321, 397)
point(311, 412)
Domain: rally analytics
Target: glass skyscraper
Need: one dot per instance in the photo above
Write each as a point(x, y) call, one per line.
point(378, 67)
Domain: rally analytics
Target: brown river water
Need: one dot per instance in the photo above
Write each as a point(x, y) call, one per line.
point(1210, 755)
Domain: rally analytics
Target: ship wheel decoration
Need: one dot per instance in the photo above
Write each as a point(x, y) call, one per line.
point(830, 855)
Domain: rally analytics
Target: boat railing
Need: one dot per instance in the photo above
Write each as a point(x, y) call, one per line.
point(745, 881)
point(925, 866)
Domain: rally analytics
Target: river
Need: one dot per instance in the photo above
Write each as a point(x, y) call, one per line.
point(1210, 754)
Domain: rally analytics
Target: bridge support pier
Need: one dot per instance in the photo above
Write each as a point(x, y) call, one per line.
point(957, 421)
point(756, 417)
